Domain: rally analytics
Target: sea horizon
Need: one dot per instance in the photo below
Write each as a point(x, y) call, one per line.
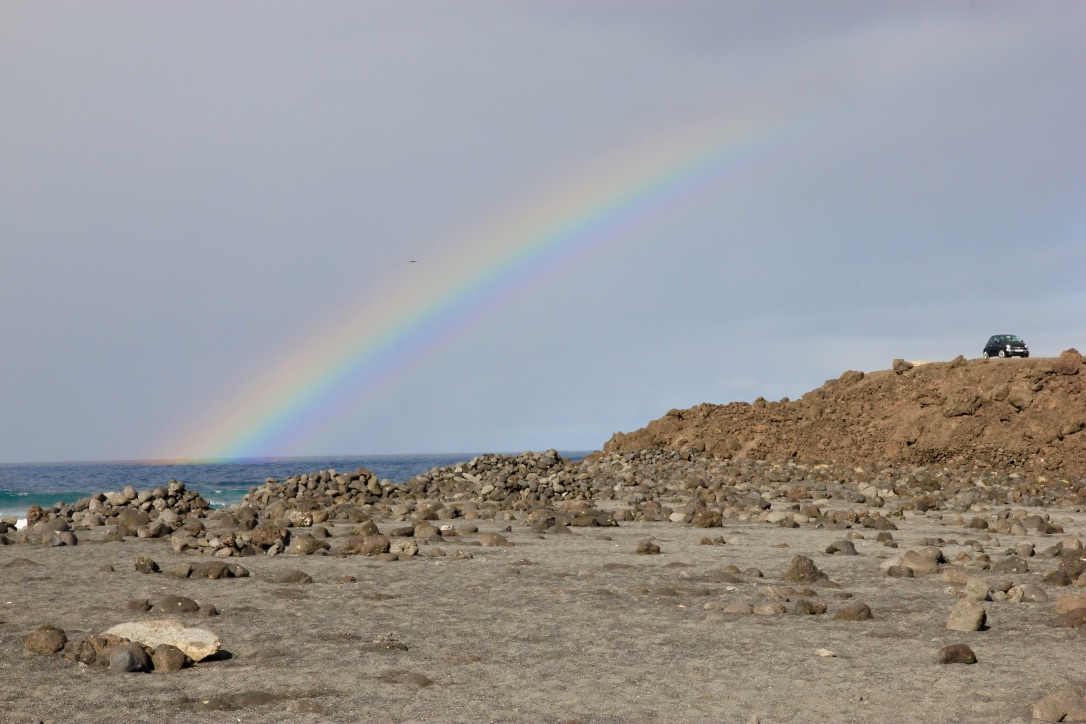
point(212, 460)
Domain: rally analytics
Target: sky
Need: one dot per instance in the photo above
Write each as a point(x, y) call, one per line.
point(240, 228)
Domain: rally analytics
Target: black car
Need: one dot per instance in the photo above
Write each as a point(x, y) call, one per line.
point(1005, 345)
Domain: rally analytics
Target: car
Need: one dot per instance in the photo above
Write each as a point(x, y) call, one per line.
point(1005, 345)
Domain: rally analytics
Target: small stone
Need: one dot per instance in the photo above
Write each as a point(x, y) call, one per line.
point(1069, 602)
point(740, 608)
point(853, 612)
point(129, 656)
point(920, 563)
point(803, 570)
point(175, 604)
point(1066, 704)
point(1033, 593)
point(955, 654)
point(1074, 618)
point(364, 545)
point(146, 565)
point(47, 640)
point(843, 547)
point(1011, 564)
point(647, 548)
point(123, 661)
point(493, 540)
point(237, 571)
point(306, 545)
point(181, 570)
point(825, 653)
point(770, 609)
point(899, 572)
point(967, 616)
point(291, 576)
point(1058, 577)
point(977, 589)
point(210, 569)
point(404, 547)
point(806, 607)
point(139, 605)
point(166, 659)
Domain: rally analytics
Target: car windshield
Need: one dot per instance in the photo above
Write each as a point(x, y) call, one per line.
point(1012, 339)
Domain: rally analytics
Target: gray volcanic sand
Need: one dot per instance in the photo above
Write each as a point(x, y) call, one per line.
point(555, 628)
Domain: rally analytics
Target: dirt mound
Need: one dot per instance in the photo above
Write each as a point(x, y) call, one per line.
point(1027, 415)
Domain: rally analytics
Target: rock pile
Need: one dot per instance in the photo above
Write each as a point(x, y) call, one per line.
point(161, 646)
point(323, 494)
point(548, 492)
point(505, 480)
point(155, 513)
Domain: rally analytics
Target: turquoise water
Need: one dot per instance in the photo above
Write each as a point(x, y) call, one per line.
point(222, 482)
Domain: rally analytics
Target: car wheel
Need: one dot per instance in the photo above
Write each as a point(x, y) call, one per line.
point(1002, 353)
point(986, 355)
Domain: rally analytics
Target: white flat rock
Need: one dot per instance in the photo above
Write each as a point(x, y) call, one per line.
point(197, 643)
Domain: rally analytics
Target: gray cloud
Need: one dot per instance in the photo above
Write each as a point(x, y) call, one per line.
point(187, 189)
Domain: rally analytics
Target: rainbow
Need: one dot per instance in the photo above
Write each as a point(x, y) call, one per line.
point(397, 326)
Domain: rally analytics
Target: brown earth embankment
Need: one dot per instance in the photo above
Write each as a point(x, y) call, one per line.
point(1011, 414)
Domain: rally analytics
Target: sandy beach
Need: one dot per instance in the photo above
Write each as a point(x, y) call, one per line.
point(562, 626)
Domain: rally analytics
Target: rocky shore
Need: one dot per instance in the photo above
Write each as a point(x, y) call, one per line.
point(664, 583)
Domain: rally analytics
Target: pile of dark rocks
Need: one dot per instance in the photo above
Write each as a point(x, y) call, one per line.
point(323, 494)
point(160, 646)
point(503, 481)
point(684, 486)
point(154, 513)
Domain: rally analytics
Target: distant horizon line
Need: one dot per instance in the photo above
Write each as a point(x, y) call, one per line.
point(269, 458)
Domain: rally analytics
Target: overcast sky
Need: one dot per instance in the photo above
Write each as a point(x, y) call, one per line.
point(189, 189)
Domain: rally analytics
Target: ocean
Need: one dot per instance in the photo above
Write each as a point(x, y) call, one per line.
point(221, 483)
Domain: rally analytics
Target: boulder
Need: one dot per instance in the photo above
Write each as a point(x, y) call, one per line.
point(920, 563)
point(1066, 704)
point(129, 656)
point(368, 545)
point(854, 612)
point(955, 654)
point(47, 640)
point(493, 540)
point(175, 604)
point(803, 570)
point(291, 576)
point(167, 658)
point(196, 643)
point(210, 569)
point(967, 616)
point(1068, 362)
point(1069, 602)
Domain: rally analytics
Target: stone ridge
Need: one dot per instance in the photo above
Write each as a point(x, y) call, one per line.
point(1027, 415)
